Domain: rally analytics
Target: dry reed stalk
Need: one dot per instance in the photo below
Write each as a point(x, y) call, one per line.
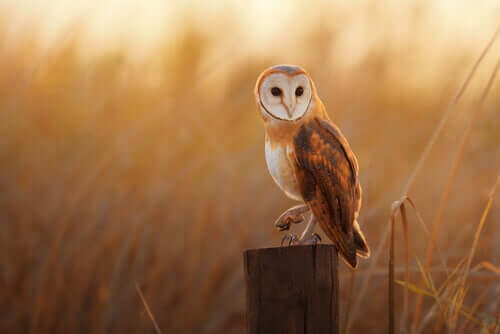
point(391, 278)
point(404, 221)
point(446, 193)
point(148, 310)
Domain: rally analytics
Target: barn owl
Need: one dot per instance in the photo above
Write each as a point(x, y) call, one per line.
point(310, 160)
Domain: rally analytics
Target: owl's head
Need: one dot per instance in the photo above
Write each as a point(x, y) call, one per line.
point(284, 92)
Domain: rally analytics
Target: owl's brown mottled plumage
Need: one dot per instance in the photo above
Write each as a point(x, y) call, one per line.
point(310, 159)
point(327, 171)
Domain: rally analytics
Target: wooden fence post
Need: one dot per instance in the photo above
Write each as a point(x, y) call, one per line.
point(292, 290)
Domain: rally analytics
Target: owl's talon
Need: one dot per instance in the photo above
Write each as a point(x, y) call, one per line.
point(316, 238)
point(291, 239)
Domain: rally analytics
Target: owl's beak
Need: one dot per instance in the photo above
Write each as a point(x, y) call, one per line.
point(289, 105)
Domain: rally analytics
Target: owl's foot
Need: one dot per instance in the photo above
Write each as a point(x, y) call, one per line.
point(308, 237)
point(313, 239)
point(290, 238)
point(294, 215)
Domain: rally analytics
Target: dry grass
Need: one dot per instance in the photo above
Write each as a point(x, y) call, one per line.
point(115, 172)
point(446, 192)
point(449, 297)
point(400, 205)
point(148, 309)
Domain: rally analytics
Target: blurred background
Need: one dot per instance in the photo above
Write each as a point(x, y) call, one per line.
point(131, 151)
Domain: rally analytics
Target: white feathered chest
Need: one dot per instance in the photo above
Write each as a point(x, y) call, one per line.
point(281, 169)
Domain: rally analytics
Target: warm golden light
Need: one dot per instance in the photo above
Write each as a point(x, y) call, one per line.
point(143, 24)
point(132, 155)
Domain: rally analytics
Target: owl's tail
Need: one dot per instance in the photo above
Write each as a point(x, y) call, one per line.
point(356, 247)
point(360, 243)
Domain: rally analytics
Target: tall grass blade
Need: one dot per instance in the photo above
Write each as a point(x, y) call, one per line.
point(148, 310)
point(424, 275)
point(391, 277)
point(404, 220)
point(414, 288)
point(491, 267)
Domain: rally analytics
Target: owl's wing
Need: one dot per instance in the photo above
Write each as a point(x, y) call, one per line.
point(326, 171)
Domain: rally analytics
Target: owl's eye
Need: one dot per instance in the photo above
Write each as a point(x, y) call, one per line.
point(276, 91)
point(299, 91)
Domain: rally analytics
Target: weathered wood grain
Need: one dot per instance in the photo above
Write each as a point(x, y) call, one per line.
point(292, 290)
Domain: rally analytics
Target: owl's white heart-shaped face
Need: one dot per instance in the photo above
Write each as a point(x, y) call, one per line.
point(285, 95)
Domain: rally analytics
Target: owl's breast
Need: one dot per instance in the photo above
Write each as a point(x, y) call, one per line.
point(281, 169)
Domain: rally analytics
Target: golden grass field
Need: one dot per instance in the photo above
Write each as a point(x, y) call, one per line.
point(116, 172)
